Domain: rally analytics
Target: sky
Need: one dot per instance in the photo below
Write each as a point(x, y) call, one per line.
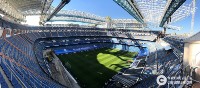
point(105, 8)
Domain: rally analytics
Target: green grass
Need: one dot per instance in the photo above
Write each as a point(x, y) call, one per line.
point(93, 68)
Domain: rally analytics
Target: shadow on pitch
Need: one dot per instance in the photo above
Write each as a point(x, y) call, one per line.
point(87, 70)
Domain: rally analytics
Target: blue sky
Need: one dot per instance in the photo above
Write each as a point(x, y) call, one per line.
point(110, 8)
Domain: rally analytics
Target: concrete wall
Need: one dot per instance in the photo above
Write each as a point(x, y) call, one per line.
point(1, 31)
point(192, 56)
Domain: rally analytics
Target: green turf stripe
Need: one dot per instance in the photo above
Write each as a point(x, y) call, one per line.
point(106, 59)
point(92, 68)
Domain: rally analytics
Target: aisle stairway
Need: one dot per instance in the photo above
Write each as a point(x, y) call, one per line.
point(4, 82)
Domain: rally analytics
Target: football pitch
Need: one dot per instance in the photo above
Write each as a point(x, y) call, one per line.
point(93, 68)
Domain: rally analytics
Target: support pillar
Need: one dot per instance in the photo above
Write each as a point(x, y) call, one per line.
point(4, 33)
point(164, 30)
point(21, 31)
point(12, 32)
point(18, 32)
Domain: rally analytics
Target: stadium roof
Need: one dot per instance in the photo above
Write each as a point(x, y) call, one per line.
point(172, 6)
point(85, 17)
point(77, 16)
point(194, 38)
point(17, 9)
point(156, 12)
point(131, 8)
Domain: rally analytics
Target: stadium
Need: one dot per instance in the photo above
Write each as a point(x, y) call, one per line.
point(48, 45)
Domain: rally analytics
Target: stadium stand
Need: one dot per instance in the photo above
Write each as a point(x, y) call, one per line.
point(176, 41)
point(24, 64)
point(22, 57)
point(148, 64)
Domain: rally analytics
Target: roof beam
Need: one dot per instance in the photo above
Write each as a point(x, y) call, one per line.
point(171, 7)
point(74, 19)
point(172, 27)
point(79, 14)
point(58, 8)
point(131, 7)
